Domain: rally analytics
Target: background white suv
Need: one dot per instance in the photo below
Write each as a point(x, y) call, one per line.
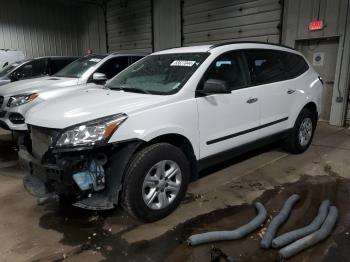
point(87, 72)
point(165, 118)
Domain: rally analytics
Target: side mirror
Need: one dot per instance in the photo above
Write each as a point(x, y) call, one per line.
point(215, 86)
point(99, 78)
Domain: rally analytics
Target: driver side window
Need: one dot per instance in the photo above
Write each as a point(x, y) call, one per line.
point(114, 66)
point(35, 68)
point(230, 67)
point(24, 72)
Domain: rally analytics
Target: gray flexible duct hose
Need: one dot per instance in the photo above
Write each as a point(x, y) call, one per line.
point(231, 235)
point(313, 238)
point(278, 220)
point(294, 235)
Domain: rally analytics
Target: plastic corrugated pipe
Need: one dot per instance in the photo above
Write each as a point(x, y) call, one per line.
point(294, 235)
point(313, 238)
point(278, 220)
point(231, 235)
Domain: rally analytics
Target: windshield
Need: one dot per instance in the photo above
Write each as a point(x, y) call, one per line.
point(79, 67)
point(9, 68)
point(158, 74)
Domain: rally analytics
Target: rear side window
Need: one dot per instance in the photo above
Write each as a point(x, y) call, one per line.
point(40, 67)
point(294, 64)
point(135, 59)
point(265, 66)
point(59, 63)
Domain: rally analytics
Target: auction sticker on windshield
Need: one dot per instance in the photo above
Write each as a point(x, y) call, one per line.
point(182, 63)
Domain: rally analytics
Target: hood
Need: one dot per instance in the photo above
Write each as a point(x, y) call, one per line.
point(87, 105)
point(36, 85)
point(4, 81)
point(52, 93)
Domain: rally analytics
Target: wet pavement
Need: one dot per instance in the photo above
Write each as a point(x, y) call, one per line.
point(222, 199)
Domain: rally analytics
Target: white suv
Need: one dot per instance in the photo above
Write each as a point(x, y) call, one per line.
point(87, 72)
point(163, 119)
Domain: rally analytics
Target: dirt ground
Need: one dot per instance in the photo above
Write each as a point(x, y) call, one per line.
point(222, 199)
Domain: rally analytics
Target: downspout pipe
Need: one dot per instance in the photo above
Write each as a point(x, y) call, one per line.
point(294, 235)
point(278, 220)
point(313, 238)
point(231, 235)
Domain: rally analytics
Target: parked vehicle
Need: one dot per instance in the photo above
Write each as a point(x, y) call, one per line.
point(31, 68)
point(163, 119)
point(90, 71)
point(9, 56)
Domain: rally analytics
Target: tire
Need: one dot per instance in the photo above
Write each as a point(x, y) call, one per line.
point(293, 143)
point(147, 165)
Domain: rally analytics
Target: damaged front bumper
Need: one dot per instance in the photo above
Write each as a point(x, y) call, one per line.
point(93, 183)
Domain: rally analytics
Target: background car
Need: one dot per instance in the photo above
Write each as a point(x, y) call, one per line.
point(9, 56)
point(31, 68)
point(90, 71)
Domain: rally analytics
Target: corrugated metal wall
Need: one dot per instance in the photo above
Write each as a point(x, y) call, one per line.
point(41, 28)
point(129, 25)
point(335, 14)
point(300, 13)
point(94, 29)
point(210, 21)
point(167, 25)
point(348, 113)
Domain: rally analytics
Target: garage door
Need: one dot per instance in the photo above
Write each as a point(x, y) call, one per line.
point(210, 21)
point(348, 113)
point(129, 25)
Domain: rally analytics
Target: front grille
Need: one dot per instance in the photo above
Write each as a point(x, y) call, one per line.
point(41, 140)
point(1, 101)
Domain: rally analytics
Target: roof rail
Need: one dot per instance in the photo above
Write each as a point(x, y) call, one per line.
point(249, 42)
point(123, 52)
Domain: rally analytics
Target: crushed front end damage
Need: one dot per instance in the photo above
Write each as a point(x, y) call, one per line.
point(83, 175)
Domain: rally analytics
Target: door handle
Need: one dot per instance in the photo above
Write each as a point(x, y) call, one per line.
point(252, 100)
point(290, 91)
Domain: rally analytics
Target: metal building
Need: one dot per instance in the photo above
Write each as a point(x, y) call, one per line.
point(328, 49)
point(41, 28)
point(62, 27)
point(154, 25)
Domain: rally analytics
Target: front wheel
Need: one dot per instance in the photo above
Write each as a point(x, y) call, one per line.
point(302, 133)
point(155, 182)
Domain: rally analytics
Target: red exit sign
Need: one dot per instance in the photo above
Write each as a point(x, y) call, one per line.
point(316, 25)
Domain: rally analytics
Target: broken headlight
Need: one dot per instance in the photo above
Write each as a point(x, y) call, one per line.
point(90, 133)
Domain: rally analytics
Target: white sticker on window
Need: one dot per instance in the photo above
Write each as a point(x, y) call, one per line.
point(95, 60)
point(182, 63)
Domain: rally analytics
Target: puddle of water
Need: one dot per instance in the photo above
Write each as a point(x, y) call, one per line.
point(79, 226)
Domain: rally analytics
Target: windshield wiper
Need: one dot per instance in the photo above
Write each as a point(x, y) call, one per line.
point(130, 89)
